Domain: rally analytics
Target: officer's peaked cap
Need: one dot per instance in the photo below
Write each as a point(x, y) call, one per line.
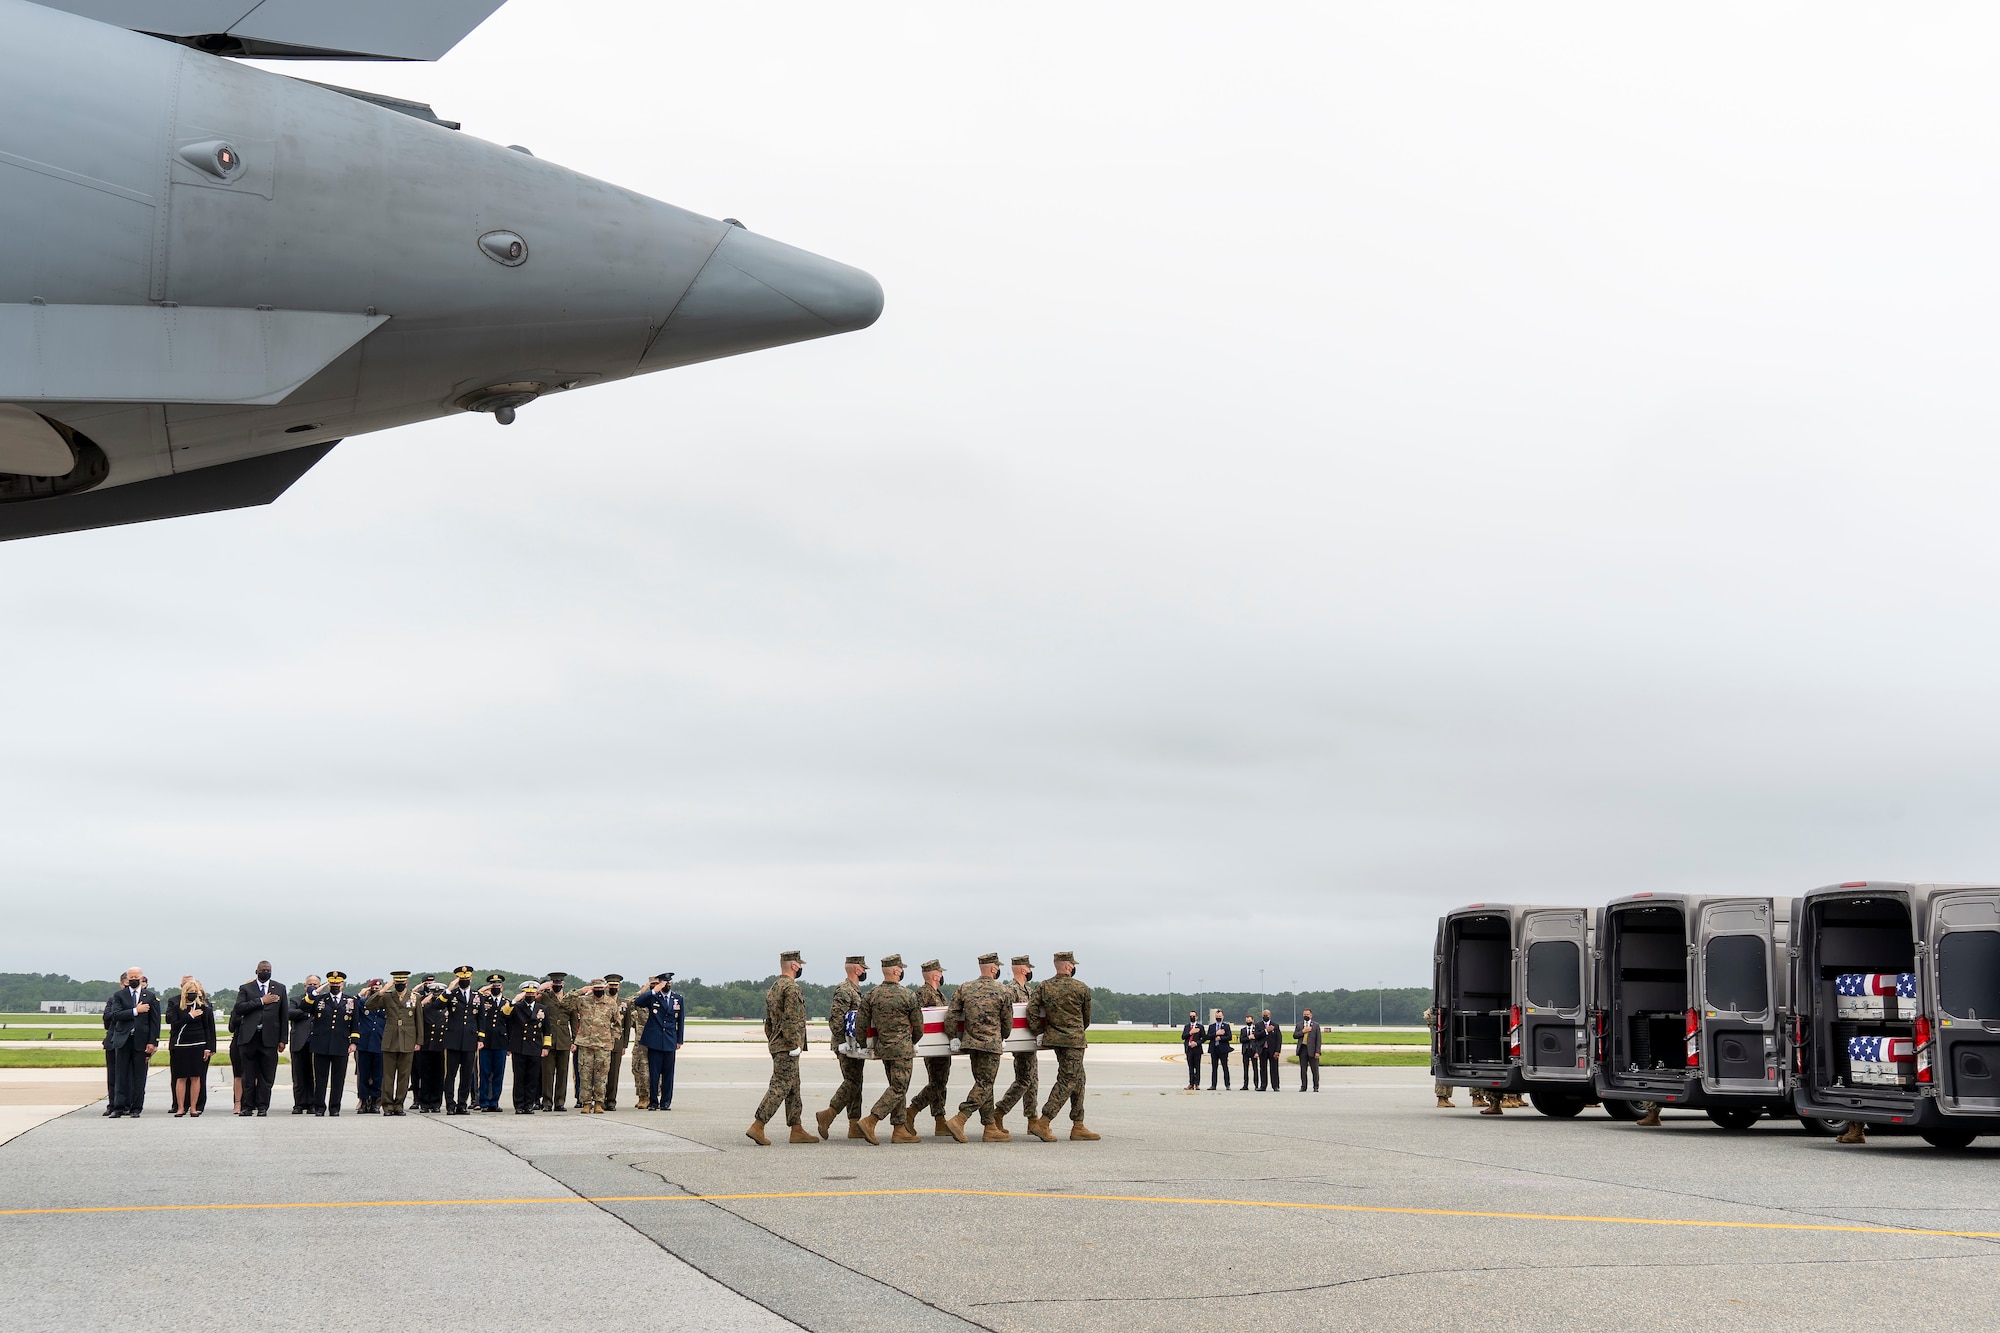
point(403, 973)
point(335, 974)
point(614, 978)
point(492, 977)
point(527, 986)
point(557, 976)
point(465, 971)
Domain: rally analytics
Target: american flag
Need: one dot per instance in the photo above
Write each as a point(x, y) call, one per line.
point(1881, 1050)
point(1902, 985)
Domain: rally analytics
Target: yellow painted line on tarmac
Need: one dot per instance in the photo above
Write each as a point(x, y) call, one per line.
point(1852, 1228)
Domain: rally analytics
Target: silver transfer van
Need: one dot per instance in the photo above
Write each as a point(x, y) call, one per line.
point(1510, 999)
point(1899, 1007)
point(1691, 997)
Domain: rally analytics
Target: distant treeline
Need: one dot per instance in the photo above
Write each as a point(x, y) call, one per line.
point(22, 992)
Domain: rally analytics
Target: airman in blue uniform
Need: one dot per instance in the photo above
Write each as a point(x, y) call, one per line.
point(666, 1027)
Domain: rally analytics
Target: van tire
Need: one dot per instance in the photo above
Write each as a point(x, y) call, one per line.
point(1824, 1127)
point(1734, 1117)
point(1949, 1139)
point(1617, 1110)
point(1558, 1105)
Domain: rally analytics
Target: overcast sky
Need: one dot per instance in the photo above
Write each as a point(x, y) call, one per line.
point(1317, 467)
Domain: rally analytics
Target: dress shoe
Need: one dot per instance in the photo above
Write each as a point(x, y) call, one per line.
point(333, 1110)
point(260, 1111)
point(319, 1112)
point(246, 1113)
point(112, 1111)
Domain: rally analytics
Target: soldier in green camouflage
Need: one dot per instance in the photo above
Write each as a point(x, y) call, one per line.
point(621, 1033)
point(1060, 1015)
point(595, 1019)
point(1027, 1073)
point(981, 1013)
point(937, 1068)
point(785, 1035)
point(897, 1020)
point(633, 1024)
point(847, 1097)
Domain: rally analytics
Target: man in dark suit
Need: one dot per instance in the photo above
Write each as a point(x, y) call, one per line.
point(1218, 1051)
point(1274, 1045)
point(1253, 1054)
point(1193, 1035)
point(300, 1012)
point(1306, 1033)
point(131, 1035)
point(261, 1011)
point(336, 1035)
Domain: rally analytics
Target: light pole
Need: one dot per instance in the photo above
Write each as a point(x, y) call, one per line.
point(1260, 988)
point(1295, 1001)
point(1201, 997)
point(1170, 999)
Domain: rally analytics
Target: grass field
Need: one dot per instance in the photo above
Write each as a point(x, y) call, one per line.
point(91, 1059)
point(1341, 1037)
point(20, 1033)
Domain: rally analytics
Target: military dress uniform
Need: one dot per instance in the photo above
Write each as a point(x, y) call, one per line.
point(492, 1017)
point(399, 1039)
point(981, 1014)
point(596, 1022)
point(785, 1036)
point(1027, 1064)
point(368, 1061)
point(621, 1037)
point(461, 1043)
point(561, 1036)
point(664, 1028)
point(897, 1020)
point(427, 1065)
point(937, 1068)
point(300, 1012)
point(336, 1027)
point(1060, 1015)
point(527, 1032)
point(842, 1014)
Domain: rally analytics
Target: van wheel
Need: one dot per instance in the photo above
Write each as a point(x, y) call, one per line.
point(1618, 1110)
point(1823, 1126)
point(1949, 1138)
point(1558, 1105)
point(1734, 1117)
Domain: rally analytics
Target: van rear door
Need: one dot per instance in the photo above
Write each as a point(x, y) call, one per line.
point(1737, 963)
point(1965, 983)
point(1552, 985)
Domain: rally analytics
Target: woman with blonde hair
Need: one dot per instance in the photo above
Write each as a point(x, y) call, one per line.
point(190, 1046)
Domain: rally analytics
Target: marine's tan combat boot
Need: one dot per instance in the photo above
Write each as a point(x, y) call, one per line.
point(1081, 1133)
point(866, 1124)
point(1512, 1101)
point(1491, 1108)
point(854, 1131)
point(956, 1126)
point(800, 1134)
point(1447, 1104)
point(995, 1132)
point(1651, 1120)
point(756, 1134)
point(942, 1129)
point(824, 1118)
point(904, 1134)
point(1856, 1132)
point(1039, 1127)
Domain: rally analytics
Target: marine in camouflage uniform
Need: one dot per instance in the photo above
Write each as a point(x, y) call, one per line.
point(1440, 1087)
point(596, 1022)
point(1027, 1064)
point(982, 1011)
point(561, 1037)
point(937, 1068)
point(897, 1020)
point(847, 1097)
point(785, 1035)
point(1060, 1015)
point(620, 1034)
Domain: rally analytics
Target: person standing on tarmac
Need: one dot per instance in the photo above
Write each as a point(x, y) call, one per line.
point(1247, 1039)
point(1218, 1051)
point(1192, 1036)
point(1274, 1045)
point(1440, 1087)
point(1307, 1034)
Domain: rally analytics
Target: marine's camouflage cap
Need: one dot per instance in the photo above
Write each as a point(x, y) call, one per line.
point(1022, 960)
point(893, 960)
point(992, 958)
point(856, 960)
point(933, 966)
point(1064, 956)
point(790, 956)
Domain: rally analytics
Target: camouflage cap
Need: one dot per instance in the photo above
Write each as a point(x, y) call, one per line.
point(933, 966)
point(1065, 956)
point(992, 958)
point(614, 978)
point(1022, 960)
point(856, 960)
point(893, 960)
point(790, 956)
point(596, 981)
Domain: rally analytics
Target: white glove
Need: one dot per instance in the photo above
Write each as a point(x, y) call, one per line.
point(954, 1045)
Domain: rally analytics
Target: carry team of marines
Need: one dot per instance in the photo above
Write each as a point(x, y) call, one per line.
point(977, 1021)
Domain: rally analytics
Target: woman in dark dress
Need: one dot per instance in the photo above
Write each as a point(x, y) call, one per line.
point(190, 1045)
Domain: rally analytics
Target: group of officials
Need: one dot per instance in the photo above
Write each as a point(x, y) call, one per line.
point(1262, 1041)
point(444, 1047)
point(977, 1022)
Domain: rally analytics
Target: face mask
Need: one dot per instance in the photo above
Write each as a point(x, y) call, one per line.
point(401, 984)
point(263, 974)
point(336, 988)
point(597, 990)
point(465, 983)
point(861, 980)
point(1029, 975)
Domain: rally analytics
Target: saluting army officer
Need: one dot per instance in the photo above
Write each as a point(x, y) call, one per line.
point(527, 1030)
point(937, 1068)
point(336, 1034)
point(561, 1041)
point(427, 1064)
point(1026, 1075)
point(460, 1043)
point(399, 1038)
point(842, 1011)
point(785, 1035)
point(1060, 1014)
point(898, 1023)
point(596, 1018)
point(981, 1013)
point(621, 1033)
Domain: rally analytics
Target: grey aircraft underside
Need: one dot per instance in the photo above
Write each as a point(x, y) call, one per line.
point(210, 273)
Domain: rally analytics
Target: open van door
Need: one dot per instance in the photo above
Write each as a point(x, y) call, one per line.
point(1738, 963)
point(1965, 979)
point(1554, 959)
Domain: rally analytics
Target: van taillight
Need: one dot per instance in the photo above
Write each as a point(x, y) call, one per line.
point(1514, 1031)
point(1922, 1035)
point(1600, 1036)
point(1799, 1046)
point(1694, 1038)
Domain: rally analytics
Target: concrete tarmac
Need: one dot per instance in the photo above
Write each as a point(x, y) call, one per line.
point(1359, 1206)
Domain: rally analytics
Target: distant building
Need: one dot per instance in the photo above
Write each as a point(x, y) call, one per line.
point(72, 1006)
